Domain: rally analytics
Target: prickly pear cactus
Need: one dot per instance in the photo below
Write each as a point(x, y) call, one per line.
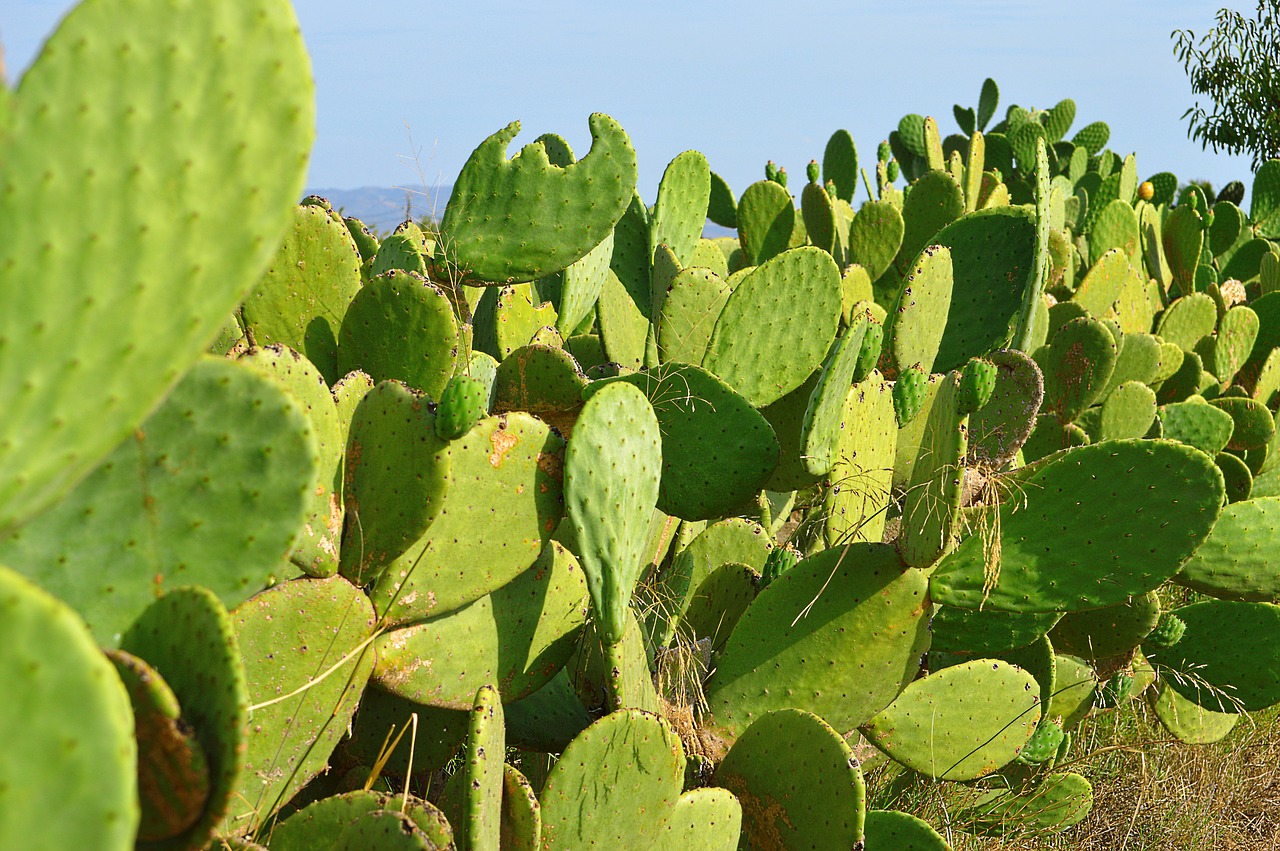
point(153, 234)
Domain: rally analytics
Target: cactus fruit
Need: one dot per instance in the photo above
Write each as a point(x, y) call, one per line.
point(1115, 690)
point(977, 382)
point(908, 394)
point(1168, 631)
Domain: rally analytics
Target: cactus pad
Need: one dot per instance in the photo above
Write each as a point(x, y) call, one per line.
point(129, 230)
point(523, 218)
point(798, 783)
point(1110, 546)
point(77, 747)
point(961, 722)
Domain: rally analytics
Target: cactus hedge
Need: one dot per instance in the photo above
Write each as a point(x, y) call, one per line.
point(555, 524)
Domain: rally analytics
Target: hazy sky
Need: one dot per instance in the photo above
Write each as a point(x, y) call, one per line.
point(743, 82)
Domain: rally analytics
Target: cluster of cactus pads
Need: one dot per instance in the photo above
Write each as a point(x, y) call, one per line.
point(556, 525)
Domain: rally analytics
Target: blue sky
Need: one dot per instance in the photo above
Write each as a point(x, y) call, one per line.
point(743, 82)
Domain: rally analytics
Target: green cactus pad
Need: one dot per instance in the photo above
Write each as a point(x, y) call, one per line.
point(1075, 691)
point(990, 245)
point(1228, 657)
point(1197, 424)
point(875, 235)
point(1231, 347)
point(77, 747)
point(1138, 360)
point(800, 292)
point(611, 471)
point(130, 231)
point(542, 380)
point(399, 252)
point(320, 824)
point(289, 637)
point(1112, 544)
point(931, 505)
point(935, 201)
point(734, 540)
point(1053, 805)
point(502, 501)
point(1128, 412)
point(1100, 289)
point(1236, 561)
point(857, 604)
point(717, 450)
point(624, 324)
point(317, 549)
point(1188, 320)
point(888, 829)
point(959, 723)
point(798, 783)
point(617, 786)
point(860, 480)
point(1189, 722)
point(718, 604)
point(302, 299)
point(472, 800)
point(820, 430)
point(173, 773)
point(1103, 633)
point(226, 522)
point(381, 717)
point(918, 316)
point(189, 638)
point(580, 286)
point(400, 326)
point(766, 221)
point(1077, 364)
point(689, 312)
point(977, 383)
point(1253, 426)
point(507, 318)
point(516, 637)
point(524, 218)
point(1050, 436)
point(988, 631)
point(396, 478)
point(1113, 228)
point(680, 210)
point(520, 825)
point(387, 830)
point(1003, 424)
point(463, 403)
point(1264, 201)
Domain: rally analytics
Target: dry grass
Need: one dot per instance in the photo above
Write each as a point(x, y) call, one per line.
point(1150, 792)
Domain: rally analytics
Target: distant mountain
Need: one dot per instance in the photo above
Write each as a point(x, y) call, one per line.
point(382, 208)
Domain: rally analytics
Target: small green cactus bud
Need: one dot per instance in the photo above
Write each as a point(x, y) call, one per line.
point(884, 152)
point(778, 562)
point(1115, 690)
point(1146, 190)
point(892, 170)
point(1168, 631)
point(1043, 744)
point(771, 171)
point(462, 403)
point(782, 177)
point(831, 189)
point(812, 171)
point(977, 380)
point(908, 394)
point(869, 354)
